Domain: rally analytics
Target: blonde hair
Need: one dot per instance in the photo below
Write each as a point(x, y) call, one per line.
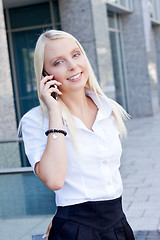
point(92, 84)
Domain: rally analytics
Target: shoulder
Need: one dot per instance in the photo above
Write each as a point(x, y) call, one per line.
point(33, 113)
point(33, 119)
point(101, 101)
point(106, 102)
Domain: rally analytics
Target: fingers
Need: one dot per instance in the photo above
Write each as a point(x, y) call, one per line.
point(47, 91)
point(46, 86)
point(52, 82)
point(48, 230)
point(47, 79)
point(44, 79)
point(53, 89)
point(48, 82)
point(45, 236)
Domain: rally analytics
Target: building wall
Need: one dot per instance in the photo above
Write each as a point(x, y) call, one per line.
point(138, 85)
point(7, 109)
point(80, 25)
point(89, 26)
point(9, 152)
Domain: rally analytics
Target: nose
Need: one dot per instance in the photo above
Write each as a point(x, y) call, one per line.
point(71, 65)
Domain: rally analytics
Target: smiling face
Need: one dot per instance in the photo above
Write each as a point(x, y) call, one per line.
point(63, 59)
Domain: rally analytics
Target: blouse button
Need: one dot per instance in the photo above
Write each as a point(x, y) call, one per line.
point(109, 183)
point(105, 162)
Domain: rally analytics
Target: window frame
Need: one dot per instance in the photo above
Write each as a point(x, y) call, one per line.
point(121, 58)
point(9, 31)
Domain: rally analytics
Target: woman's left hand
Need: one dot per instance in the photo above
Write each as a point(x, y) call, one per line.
point(48, 230)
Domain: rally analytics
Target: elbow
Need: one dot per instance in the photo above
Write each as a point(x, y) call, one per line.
point(54, 186)
point(55, 183)
point(52, 182)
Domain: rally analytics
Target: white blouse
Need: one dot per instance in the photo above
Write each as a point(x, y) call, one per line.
point(94, 174)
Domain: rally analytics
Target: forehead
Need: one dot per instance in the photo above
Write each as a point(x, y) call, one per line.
point(59, 47)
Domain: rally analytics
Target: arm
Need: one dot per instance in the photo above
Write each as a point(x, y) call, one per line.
point(52, 167)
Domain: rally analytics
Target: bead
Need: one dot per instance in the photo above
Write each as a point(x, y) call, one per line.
point(55, 130)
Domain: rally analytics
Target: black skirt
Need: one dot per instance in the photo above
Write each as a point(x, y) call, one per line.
point(93, 220)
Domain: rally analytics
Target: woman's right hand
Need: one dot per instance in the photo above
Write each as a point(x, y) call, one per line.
point(48, 230)
point(45, 91)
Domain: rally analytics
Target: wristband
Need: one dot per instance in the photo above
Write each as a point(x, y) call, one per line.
point(55, 130)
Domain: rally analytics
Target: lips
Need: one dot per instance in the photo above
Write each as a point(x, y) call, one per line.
point(75, 77)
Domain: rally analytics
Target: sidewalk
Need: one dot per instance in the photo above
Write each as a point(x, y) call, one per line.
point(140, 171)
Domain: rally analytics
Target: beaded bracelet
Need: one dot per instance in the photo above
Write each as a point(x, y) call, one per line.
point(55, 130)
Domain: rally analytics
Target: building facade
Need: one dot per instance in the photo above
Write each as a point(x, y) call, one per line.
point(121, 39)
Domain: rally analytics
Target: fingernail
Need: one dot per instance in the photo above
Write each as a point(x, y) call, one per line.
point(44, 236)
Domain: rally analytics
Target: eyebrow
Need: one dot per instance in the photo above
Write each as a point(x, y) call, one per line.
point(75, 49)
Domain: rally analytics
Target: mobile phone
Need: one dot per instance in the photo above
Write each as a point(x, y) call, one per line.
point(53, 94)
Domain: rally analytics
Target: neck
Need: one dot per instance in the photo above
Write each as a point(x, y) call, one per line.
point(77, 102)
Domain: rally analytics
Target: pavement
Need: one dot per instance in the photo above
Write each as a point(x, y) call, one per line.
point(140, 170)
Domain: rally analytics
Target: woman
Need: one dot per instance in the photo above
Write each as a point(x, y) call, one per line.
point(73, 143)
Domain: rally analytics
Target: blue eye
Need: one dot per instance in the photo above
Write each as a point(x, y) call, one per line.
point(77, 54)
point(58, 62)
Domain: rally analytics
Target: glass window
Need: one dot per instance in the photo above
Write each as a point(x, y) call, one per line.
point(154, 7)
point(30, 16)
point(56, 13)
point(22, 41)
point(23, 44)
point(24, 195)
point(117, 61)
point(111, 20)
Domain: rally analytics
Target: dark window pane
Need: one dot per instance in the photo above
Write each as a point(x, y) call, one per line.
point(24, 195)
point(111, 20)
point(30, 16)
point(24, 44)
point(56, 12)
point(117, 67)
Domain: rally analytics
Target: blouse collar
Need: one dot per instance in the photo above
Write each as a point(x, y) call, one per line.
point(103, 112)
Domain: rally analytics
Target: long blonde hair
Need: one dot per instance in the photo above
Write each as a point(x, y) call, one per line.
point(92, 83)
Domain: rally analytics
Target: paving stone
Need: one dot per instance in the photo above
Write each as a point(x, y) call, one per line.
point(140, 173)
point(144, 223)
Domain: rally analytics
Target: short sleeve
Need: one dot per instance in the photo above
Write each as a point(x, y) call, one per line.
point(33, 133)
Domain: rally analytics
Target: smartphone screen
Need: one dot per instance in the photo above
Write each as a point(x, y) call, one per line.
point(53, 94)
